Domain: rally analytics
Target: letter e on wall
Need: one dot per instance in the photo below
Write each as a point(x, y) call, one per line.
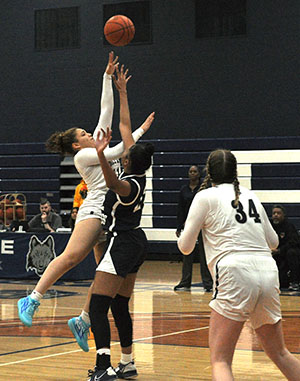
point(7, 246)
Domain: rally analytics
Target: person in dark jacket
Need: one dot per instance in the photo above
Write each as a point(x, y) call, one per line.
point(186, 195)
point(287, 255)
point(47, 220)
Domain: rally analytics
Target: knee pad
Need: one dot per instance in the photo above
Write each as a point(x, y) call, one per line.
point(120, 311)
point(99, 306)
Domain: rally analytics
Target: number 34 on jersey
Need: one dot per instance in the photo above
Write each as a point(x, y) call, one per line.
point(241, 216)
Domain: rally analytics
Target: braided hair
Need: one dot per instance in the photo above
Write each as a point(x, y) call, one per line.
point(61, 142)
point(221, 167)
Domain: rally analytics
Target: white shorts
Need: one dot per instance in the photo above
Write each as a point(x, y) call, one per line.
point(247, 287)
point(95, 210)
point(87, 211)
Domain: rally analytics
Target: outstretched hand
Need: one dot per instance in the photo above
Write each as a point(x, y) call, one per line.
point(147, 124)
point(112, 63)
point(121, 80)
point(103, 142)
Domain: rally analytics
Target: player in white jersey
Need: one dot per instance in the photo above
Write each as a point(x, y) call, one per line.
point(76, 141)
point(238, 239)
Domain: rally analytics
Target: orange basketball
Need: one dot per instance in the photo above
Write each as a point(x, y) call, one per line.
point(119, 30)
point(9, 213)
point(20, 215)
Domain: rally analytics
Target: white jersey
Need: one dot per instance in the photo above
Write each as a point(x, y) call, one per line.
point(227, 229)
point(86, 160)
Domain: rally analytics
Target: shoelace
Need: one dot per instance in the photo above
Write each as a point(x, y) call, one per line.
point(82, 326)
point(32, 307)
point(91, 372)
point(121, 367)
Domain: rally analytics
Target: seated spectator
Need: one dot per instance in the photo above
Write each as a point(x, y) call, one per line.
point(47, 220)
point(287, 255)
point(72, 218)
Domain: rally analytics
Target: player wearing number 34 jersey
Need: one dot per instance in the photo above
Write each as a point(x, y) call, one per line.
point(238, 239)
point(228, 228)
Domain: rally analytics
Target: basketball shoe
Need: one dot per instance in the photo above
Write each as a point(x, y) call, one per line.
point(126, 371)
point(26, 310)
point(80, 330)
point(102, 375)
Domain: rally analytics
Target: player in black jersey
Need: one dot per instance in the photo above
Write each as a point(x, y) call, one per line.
point(126, 246)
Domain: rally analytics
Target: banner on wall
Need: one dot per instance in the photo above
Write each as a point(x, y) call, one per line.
point(27, 255)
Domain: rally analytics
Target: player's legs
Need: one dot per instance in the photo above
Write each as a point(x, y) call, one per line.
point(126, 368)
point(124, 294)
point(80, 325)
point(105, 287)
point(80, 244)
point(98, 251)
point(223, 336)
point(271, 338)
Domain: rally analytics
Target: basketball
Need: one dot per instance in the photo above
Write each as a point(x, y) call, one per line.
point(9, 213)
point(119, 30)
point(20, 215)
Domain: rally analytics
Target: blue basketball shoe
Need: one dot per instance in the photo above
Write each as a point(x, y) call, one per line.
point(80, 330)
point(26, 310)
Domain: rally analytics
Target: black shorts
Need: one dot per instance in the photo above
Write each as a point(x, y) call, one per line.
point(124, 252)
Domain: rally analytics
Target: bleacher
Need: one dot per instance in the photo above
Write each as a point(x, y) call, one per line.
point(269, 166)
point(28, 169)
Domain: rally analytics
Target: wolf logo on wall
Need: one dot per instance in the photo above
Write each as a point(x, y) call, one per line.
point(40, 254)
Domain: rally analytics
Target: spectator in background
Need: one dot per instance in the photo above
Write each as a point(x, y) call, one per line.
point(72, 218)
point(47, 220)
point(80, 194)
point(186, 195)
point(287, 254)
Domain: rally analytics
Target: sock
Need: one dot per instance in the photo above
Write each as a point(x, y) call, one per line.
point(125, 358)
point(35, 295)
point(103, 358)
point(85, 317)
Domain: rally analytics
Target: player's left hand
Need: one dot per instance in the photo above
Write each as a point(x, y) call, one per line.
point(121, 80)
point(102, 141)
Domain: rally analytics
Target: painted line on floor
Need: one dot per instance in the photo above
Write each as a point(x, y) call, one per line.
point(114, 343)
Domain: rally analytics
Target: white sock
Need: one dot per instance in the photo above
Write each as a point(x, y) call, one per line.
point(103, 351)
point(85, 317)
point(125, 359)
point(35, 295)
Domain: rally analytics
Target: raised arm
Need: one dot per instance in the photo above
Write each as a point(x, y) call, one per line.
point(125, 123)
point(120, 187)
point(107, 98)
point(116, 151)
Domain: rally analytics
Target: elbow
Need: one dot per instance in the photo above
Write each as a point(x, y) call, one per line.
point(274, 243)
point(111, 186)
point(184, 248)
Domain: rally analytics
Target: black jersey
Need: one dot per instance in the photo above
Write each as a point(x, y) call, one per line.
point(124, 213)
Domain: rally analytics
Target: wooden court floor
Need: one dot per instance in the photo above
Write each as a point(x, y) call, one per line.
point(170, 332)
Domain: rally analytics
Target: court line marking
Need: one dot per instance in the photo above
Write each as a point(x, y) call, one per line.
point(136, 316)
point(114, 343)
